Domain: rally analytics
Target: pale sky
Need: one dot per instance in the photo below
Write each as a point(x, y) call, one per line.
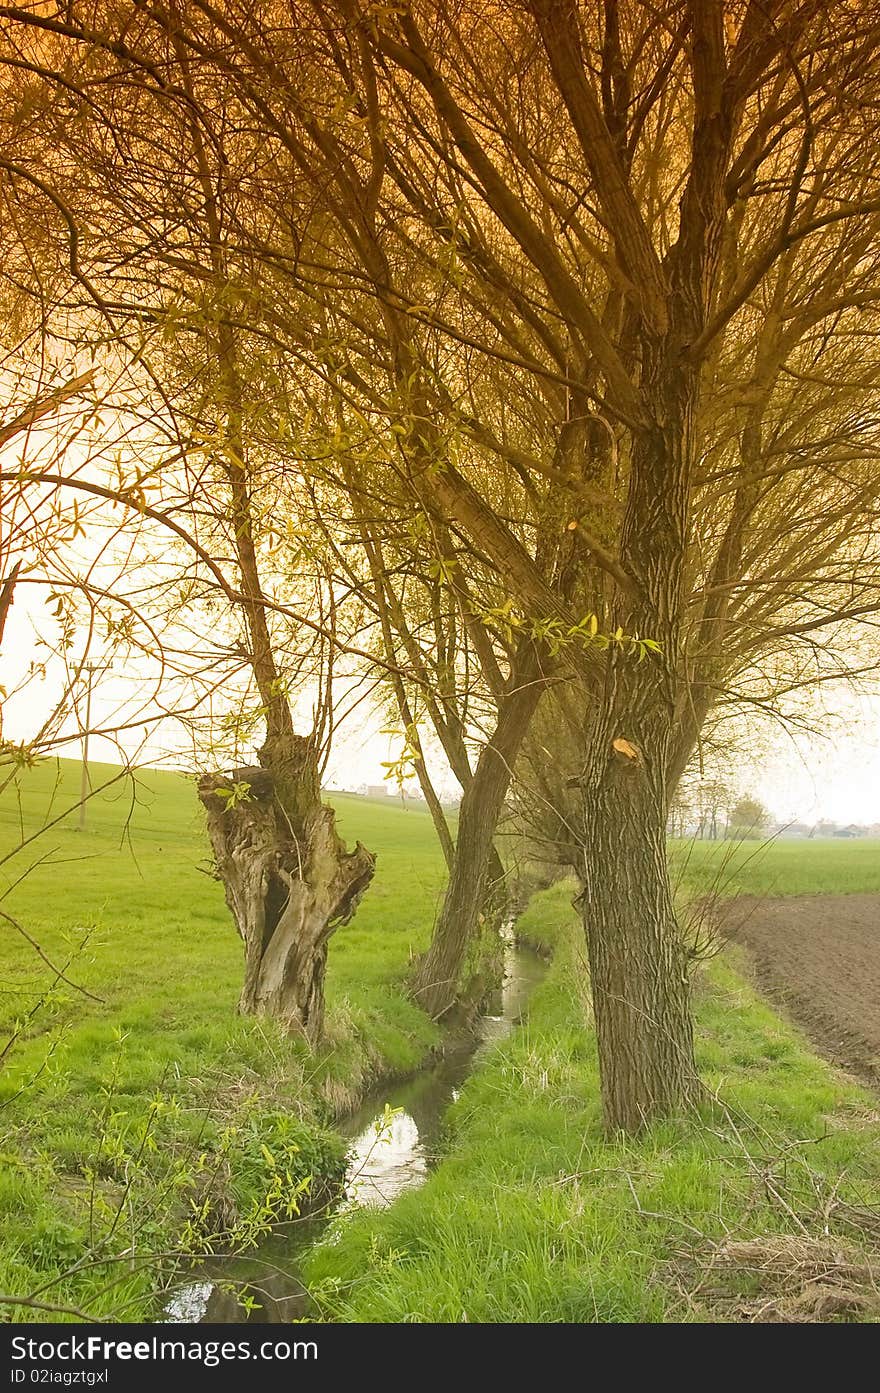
point(835, 774)
point(122, 696)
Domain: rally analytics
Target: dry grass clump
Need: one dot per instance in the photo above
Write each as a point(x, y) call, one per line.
point(790, 1278)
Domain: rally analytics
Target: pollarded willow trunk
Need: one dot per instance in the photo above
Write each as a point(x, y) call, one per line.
point(289, 880)
point(639, 966)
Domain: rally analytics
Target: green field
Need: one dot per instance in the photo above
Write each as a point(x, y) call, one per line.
point(139, 1123)
point(126, 904)
point(828, 866)
point(136, 878)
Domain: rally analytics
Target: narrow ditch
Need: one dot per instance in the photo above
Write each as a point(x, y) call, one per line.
point(393, 1138)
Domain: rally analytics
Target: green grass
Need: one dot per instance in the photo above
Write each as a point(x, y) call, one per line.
point(120, 1117)
point(533, 1216)
point(139, 1086)
point(810, 867)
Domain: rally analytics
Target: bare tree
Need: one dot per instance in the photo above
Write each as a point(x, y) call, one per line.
point(681, 203)
point(196, 477)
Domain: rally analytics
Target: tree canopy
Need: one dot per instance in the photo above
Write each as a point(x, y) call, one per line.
point(543, 332)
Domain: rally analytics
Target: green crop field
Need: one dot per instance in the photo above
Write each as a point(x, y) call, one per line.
point(825, 866)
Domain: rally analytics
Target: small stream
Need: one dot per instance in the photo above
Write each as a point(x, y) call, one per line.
point(387, 1156)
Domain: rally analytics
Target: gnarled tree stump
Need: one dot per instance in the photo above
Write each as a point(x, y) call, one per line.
point(289, 882)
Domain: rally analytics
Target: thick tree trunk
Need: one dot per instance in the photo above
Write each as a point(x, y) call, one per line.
point(289, 880)
point(477, 864)
point(638, 961)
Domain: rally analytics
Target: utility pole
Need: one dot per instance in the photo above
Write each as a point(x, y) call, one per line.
point(90, 668)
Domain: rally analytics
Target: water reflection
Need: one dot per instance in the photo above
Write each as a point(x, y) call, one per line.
point(392, 1154)
point(387, 1158)
point(394, 1143)
point(272, 1297)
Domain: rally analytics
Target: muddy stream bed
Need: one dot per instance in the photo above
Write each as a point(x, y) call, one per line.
point(387, 1155)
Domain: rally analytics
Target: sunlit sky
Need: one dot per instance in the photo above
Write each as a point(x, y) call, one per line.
point(833, 774)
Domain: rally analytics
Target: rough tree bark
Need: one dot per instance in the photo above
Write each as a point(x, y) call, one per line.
point(435, 983)
point(638, 960)
point(289, 880)
point(639, 967)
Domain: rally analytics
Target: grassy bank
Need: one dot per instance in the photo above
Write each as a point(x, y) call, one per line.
point(119, 1115)
point(140, 1118)
point(532, 1216)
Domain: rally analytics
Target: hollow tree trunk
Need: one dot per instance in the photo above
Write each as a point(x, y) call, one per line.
point(289, 880)
point(476, 863)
